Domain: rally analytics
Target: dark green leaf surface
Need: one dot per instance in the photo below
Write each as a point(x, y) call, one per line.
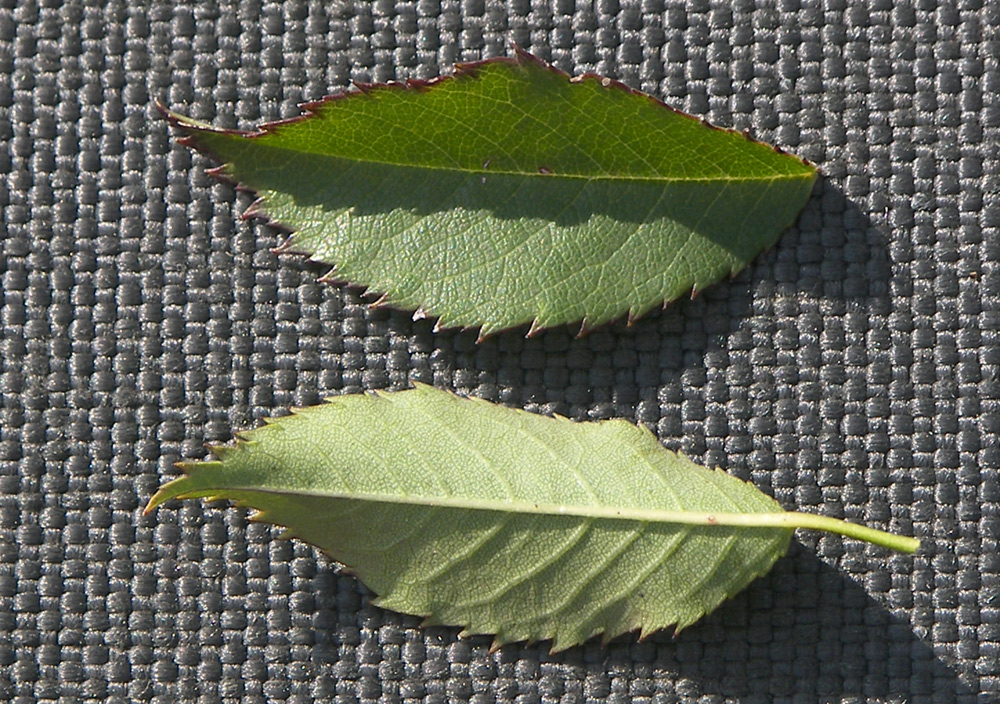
point(510, 194)
point(505, 522)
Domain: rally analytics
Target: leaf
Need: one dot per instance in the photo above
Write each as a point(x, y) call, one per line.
point(511, 193)
point(503, 521)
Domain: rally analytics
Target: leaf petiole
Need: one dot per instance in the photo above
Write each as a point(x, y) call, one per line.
point(810, 521)
point(807, 521)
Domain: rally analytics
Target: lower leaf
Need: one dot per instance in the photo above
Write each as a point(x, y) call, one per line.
point(506, 522)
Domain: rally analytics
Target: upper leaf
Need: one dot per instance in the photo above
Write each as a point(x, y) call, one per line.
point(511, 193)
point(502, 521)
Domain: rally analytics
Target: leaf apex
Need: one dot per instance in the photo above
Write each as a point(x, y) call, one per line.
point(157, 500)
point(171, 490)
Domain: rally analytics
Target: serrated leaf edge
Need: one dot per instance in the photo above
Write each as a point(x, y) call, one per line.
point(311, 109)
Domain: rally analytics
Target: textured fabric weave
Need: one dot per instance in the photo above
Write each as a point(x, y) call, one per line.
point(852, 370)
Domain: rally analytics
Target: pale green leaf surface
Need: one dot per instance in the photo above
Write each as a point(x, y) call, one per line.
point(511, 193)
point(502, 521)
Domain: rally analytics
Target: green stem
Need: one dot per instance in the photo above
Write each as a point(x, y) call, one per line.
point(810, 521)
point(892, 541)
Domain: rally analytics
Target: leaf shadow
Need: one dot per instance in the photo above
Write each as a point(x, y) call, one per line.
point(805, 631)
point(780, 376)
point(758, 375)
point(747, 340)
point(719, 214)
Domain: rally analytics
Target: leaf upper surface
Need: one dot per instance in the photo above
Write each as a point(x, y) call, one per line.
point(510, 193)
point(498, 520)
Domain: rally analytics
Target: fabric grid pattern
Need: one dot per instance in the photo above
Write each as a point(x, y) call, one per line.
point(852, 370)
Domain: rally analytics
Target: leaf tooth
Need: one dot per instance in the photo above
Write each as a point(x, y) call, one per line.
point(426, 620)
point(485, 331)
point(284, 247)
point(220, 451)
point(525, 58)
point(506, 636)
point(706, 123)
point(254, 210)
point(536, 327)
point(333, 277)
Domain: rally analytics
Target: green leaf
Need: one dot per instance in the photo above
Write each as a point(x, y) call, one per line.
point(503, 521)
point(511, 193)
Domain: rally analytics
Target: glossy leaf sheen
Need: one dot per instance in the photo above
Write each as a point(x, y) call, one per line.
point(511, 193)
point(499, 520)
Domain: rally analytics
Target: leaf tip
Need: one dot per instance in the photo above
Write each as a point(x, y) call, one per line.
point(155, 501)
point(171, 490)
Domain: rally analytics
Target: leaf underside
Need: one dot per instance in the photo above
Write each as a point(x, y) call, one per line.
point(498, 520)
point(510, 193)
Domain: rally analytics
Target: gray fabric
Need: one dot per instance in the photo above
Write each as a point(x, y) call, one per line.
point(852, 370)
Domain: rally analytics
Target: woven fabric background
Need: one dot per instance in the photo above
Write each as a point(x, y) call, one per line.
point(852, 370)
